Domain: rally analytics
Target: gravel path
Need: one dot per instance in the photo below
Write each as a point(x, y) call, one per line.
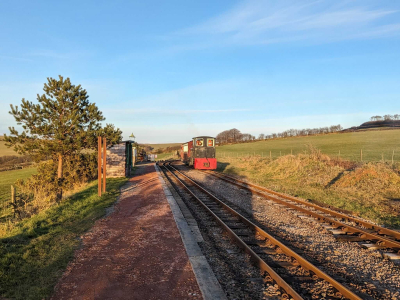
point(136, 252)
point(363, 270)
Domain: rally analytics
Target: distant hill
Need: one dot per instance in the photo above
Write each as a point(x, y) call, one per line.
point(373, 125)
point(378, 124)
point(163, 146)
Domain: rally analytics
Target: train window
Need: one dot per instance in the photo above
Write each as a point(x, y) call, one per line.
point(210, 142)
point(199, 142)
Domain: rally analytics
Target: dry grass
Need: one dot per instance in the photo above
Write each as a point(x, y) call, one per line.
point(372, 190)
point(4, 150)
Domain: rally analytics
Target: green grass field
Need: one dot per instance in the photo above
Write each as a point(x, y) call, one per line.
point(165, 156)
point(8, 178)
point(158, 146)
point(373, 145)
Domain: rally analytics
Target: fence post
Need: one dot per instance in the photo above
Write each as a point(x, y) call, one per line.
point(99, 165)
point(270, 154)
point(339, 153)
point(393, 157)
point(280, 153)
point(361, 154)
point(13, 198)
point(291, 151)
point(262, 154)
point(383, 160)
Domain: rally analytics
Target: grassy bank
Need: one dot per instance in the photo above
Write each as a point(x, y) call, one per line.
point(35, 253)
point(8, 178)
point(372, 190)
point(165, 156)
point(373, 143)
point(163, 146)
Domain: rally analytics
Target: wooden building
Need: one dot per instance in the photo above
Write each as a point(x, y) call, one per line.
point(121, 159)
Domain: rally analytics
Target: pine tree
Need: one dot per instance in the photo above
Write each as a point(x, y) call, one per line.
point(61, 124)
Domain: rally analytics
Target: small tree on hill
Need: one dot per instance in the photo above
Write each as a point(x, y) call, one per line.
point(62, 124)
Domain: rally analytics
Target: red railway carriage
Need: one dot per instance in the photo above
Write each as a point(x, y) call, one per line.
point(200, 153)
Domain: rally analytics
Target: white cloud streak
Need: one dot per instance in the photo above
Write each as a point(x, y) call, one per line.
point(271, 22)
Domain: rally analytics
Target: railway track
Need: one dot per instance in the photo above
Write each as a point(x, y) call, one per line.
point(280, 264)
point(351, 228)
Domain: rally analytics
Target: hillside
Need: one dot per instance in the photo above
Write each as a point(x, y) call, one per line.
point(5, 150)
point(380, 124)
point(373, 144)
point(158, 146)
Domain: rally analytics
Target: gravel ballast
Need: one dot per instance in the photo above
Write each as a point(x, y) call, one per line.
point(365, 271)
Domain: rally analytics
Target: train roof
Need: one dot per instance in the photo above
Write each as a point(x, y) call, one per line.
point(204, 136)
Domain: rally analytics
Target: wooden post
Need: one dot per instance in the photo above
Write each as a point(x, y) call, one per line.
point(382, 158)
point(291, 151)
point(361, 154)
point(280, 153)
point(393, 157)
point(270, 154)
point(13, 198)
point(339, 153)
point(262, 154)
point(104, 163)
point(99, 165)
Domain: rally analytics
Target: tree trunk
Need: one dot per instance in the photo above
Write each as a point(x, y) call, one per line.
point(60, 176)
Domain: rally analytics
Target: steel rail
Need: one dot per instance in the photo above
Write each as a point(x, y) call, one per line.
point(317, 273)
point(254, 257)
point(380, 240)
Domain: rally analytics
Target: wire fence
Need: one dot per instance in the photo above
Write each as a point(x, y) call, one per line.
point(362, 155)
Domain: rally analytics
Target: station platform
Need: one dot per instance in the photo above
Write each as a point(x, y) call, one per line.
point(142, 250)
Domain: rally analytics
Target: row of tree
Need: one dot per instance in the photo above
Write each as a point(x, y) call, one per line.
point(302, 132)
point(235, 136)
point(386, 118)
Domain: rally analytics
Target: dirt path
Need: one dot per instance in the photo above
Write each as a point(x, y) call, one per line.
point(134, 253)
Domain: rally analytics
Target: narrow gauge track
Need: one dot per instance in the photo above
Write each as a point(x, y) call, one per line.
point(270, 255)
point(361, 231)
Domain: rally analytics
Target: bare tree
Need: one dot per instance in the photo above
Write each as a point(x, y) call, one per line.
point(261, 136)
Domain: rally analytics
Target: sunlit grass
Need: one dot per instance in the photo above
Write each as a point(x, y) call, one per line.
point(36, 251)
point(370, 189)
point(373, 144)
point(8, 178)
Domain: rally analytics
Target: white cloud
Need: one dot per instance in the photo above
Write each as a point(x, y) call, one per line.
point(267, 21)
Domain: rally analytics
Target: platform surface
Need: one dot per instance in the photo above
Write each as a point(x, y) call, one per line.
point(134, 253)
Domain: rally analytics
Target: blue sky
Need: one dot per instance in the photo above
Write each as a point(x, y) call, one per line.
point(170, 70)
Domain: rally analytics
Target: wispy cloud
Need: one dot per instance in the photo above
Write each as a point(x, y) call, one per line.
point(174, 111)
point(8, 57)
point(267, 21)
